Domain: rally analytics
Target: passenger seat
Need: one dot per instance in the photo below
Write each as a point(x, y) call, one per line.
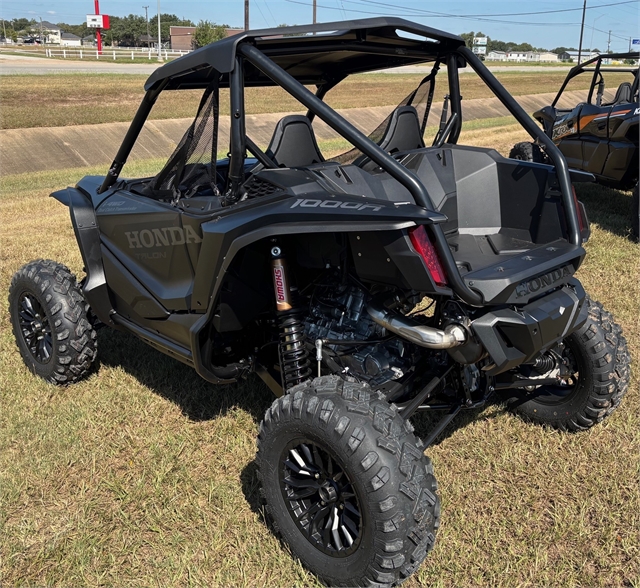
point(294, 143)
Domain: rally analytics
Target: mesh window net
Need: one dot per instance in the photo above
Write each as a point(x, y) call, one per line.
point(420, 99)
point(191, 169)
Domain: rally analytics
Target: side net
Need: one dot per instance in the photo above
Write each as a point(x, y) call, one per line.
point(421, 99)
point(192, 166)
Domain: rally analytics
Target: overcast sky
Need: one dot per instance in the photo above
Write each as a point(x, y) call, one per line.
point(500, 19)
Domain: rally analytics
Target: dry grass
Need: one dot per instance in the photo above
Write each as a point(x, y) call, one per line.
point(143, 474)
point(73, 99)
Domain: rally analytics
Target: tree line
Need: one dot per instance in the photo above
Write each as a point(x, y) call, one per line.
point(507, 46)
point(125, 31)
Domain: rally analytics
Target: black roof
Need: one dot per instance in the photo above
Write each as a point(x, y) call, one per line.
point(314, 54)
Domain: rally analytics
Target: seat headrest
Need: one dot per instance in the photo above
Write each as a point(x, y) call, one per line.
point(294, 143)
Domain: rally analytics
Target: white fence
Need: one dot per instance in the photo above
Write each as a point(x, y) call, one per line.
point(112, 54)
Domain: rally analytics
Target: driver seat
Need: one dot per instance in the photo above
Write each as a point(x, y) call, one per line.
point(623, 94)
point(294, 143)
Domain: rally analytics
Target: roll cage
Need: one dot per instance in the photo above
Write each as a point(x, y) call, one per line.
point(323, 55)
point(598, 69)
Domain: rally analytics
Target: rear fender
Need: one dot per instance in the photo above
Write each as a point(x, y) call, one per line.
point(228, 233)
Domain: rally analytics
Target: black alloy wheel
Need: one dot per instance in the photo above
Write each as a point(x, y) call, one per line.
point(35, 328)
point(50, 322)
point(346, 484)
point(321, 498)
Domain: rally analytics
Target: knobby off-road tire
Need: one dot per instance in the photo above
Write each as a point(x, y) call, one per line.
point(343, 430)
point(635, 213)
point(602, 361)
point(50, 324)
point(528, 152)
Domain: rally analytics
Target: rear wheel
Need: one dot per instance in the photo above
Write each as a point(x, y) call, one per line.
point(528, 152)
point(596, 366)
point(50, 323)
point(346, 483)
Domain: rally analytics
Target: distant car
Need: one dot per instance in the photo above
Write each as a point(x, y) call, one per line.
point(596, 136)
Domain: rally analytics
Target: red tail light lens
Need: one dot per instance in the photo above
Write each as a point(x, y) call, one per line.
point(581, 223)
point(423, 245)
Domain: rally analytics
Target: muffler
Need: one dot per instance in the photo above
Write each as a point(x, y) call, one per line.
point(451, 336)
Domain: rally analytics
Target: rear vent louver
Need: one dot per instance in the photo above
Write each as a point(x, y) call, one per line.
point(257, 187)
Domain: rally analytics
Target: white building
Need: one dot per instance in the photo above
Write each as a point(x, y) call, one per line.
point(573, 56)
point(50, 32)
point(520, 56)
point(497, 56)
point(70, 40)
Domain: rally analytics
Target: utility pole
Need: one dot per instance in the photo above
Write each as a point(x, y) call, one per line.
point(246, 15)
point(584, 10)
point(4, 31)
point(159, 34)
point(146, 15)
point(41, 40)
point(99, 30)
point(315, 11)
point(609, 43)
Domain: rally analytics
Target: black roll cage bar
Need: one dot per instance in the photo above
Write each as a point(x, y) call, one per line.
point(455, 58)
point(584, 67)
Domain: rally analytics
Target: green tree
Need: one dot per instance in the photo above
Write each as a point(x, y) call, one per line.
point(208, 32)
point(11, 34)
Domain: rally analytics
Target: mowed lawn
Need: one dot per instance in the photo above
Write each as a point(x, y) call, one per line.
point(144, 475)
point(73, 99)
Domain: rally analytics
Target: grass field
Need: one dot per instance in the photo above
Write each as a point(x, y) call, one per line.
point(72, 99)
point(144, 475)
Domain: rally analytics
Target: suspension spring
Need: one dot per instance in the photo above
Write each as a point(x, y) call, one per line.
point(295, 363)
point(294, 355)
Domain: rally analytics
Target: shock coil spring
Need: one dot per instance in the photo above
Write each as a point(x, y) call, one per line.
point(294, 356)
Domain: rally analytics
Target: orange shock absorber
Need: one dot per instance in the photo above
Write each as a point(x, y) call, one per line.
point(295, 365)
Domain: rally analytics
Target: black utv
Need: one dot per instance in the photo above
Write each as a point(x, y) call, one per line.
point(599, 136)
point(397, 277)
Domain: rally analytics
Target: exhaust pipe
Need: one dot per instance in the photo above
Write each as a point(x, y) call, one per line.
point(451, 336)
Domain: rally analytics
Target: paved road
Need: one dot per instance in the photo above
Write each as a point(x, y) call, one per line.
point(16, 64)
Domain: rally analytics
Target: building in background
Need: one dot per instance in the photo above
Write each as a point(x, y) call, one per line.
point(51, 33)
point(573, 56)
point(70, 40)
point(182, 37)
point(523, 56)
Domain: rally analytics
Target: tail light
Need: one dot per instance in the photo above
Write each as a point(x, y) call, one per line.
point(423, 245)
point(583, 222)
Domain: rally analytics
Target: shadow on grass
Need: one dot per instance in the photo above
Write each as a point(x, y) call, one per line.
point(198, 399)
point(608, 207)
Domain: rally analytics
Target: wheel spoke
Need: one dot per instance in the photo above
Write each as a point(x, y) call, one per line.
point(320, 499)
point(296, 468)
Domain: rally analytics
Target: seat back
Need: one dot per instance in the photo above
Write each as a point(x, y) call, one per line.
point(623, 94)
point(403, 132)
point(294, 143)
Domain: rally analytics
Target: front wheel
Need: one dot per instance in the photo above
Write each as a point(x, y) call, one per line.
point(596, 361)
point(49, 319)
point(346, 483)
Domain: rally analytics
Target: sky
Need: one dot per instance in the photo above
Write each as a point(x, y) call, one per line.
point(500, 19)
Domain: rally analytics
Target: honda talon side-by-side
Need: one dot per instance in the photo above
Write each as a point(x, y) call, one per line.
point(600, 135)
point(394, 278)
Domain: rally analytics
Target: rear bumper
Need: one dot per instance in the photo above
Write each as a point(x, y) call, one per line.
point(516, 336)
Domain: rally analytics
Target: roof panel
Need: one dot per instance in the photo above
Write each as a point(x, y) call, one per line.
point(312, 53)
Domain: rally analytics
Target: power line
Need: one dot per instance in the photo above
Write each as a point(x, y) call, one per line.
point(448, 15)
point(515, 22)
